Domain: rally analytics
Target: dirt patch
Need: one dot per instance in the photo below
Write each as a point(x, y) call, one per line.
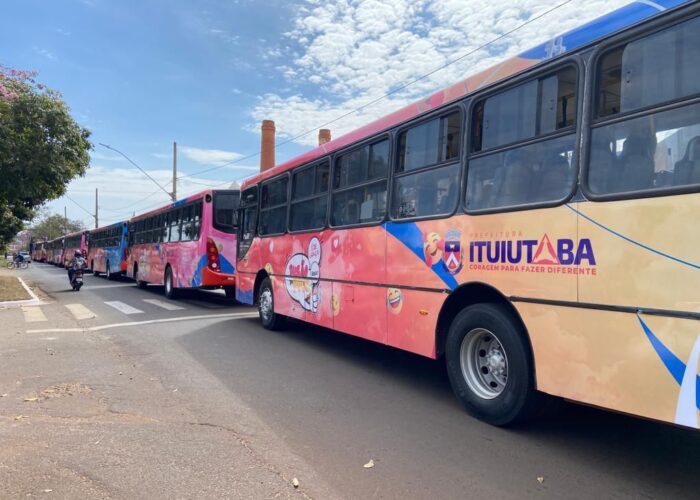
point(12, 289)
point(59, 390)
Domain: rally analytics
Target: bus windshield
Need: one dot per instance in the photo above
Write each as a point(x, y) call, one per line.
point(225, 206)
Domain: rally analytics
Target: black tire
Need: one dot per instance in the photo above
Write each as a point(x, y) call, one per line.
point(266, 307)
point(169, 287)
point(108, 273)
point(481, 393)
point(139, 284)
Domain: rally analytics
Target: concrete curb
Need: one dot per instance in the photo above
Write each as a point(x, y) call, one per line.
point(34, 301)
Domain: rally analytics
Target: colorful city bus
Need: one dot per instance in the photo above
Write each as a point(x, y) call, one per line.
point(54, 251)
point(187, 244)
point(38, 251)
point(533, 225)
point(74, 242)
point(107, 250)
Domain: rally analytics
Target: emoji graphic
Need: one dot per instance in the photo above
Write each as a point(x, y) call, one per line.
point(432, 247)
point(303, 273)
point(335, 304)
point(268, 268)
point(394, 300)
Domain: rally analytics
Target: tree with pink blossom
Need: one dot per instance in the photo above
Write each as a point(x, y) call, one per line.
point(42, 148)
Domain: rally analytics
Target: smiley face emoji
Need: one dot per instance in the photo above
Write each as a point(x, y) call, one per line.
point(433, 247)
point(335, 304)
point(394, 300)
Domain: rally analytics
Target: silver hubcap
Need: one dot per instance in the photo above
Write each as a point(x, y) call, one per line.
point(168, 282)
point(484, 363)
point(266, 304)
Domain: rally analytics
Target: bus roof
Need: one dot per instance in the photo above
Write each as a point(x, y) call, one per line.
point(179, 202)
point(572, 40)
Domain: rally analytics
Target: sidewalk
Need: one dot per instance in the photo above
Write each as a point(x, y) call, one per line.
point(81, 416)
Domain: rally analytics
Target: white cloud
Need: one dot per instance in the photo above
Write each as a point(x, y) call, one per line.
point(354, 51)
point(46, 53)
point(208, 156)
point(102, 157)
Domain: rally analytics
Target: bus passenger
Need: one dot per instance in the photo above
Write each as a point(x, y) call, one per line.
point(687, 170)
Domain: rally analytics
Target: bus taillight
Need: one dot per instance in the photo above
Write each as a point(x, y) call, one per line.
point(212, 255)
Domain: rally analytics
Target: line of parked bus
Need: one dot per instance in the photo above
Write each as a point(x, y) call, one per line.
point(190, 243)
point(532, 225)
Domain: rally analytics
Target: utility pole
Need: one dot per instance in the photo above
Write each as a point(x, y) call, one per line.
point(65, 220)
point(96, 210)
point(174, 194)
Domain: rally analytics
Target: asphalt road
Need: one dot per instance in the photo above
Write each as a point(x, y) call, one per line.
point(338, 401)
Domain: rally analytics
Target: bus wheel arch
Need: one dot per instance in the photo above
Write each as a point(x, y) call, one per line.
point(259, 278)
point(488, 355)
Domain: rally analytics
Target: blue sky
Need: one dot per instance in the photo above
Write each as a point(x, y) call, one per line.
point(143, 73)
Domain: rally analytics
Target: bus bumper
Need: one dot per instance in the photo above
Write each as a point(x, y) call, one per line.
point(215, 279)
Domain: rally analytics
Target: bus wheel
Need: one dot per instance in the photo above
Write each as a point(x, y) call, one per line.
point(266, 307)
point(489, 366)
point(108, 273)
point(139, 284)
point(170, 290)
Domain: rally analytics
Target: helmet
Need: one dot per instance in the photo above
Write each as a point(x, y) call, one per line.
point(78, 254)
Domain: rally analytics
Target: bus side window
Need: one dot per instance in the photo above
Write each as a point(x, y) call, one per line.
point(516, 174)
point(360, 185)
point(656, 150)
point(427, 172)
point(309, 198)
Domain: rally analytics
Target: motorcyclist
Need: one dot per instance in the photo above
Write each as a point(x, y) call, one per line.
point(19, 258)
point(76, 263)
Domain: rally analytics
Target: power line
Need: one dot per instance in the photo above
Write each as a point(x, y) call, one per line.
point(80, 206)
point(390, 93)
point(134, 164)
point(360, 108)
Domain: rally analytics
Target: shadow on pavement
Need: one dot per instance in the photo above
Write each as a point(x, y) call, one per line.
point(254, 362)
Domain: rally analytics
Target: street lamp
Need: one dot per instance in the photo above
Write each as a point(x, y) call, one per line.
point(171, 195)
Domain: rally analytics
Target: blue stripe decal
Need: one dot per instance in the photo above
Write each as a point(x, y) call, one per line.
point(675, 366)
point(630, 240)
point(599, 28)
point(411, 236)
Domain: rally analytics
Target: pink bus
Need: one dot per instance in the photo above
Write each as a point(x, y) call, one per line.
point(187, 244)
point(54, 251)
point(530, 226)
point(74, 242)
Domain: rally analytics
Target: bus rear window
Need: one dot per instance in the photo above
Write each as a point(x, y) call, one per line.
point(225, 207)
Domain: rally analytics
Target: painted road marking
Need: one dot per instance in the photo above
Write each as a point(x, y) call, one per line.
point(125, 308)
point(148, 322)
point(80, 311)
point(33, 314)
point(97, 287)
point(164, 304)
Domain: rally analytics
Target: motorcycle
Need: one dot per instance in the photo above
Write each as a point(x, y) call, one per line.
point(77, 281)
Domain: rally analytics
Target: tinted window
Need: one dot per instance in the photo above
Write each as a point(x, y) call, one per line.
point(309, 198)
point(534, 108)
point(430, 143)
point(225, 206)
point(433, 192)
point(537, 173)
point(273, 207)
point(658, 68)
point(274, 193)
point(660, 150)
point(359, 205)
point(362, 165)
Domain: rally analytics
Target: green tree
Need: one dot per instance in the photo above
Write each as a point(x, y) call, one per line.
point(51, 226)
point(41, 148)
